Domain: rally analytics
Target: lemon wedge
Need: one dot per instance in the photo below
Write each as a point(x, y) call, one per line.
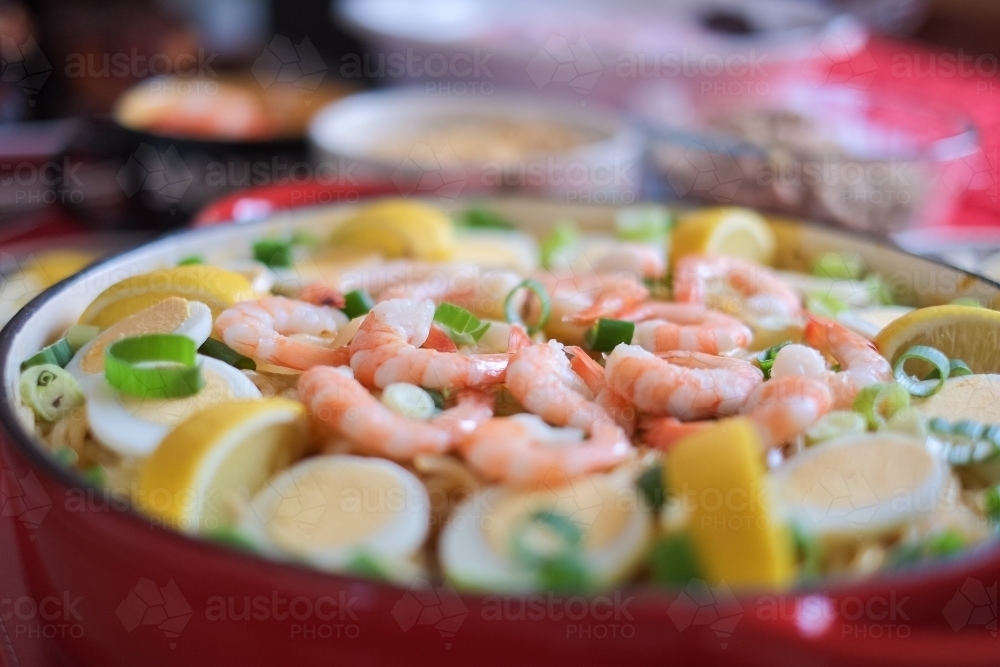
point(723, 230)
point(719, 473)
point(960, 332)
point(398, 228)
point(221, 454)
point(216, 288)
point(51, 266)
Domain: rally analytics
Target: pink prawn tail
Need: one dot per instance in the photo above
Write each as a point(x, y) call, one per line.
point(472, 409)
point(438, 340)
point(320, 294)
point(664, 432)
point(518, 339)
point(591, 372)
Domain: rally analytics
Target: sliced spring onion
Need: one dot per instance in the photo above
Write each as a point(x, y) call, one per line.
point(765, 358)
point(907, 421)
point(650, 484)
point(274, 253)
point(231, 536)
point(96, 475)
point(66, 456)
point(964, 442)
point(50, 392)
point(545, 305)
point(834, 425)
point(460, 321)
point(566, 573)
point(559, 242)
point(357, 302)
point(879, 402)
point(935, 358)
point(882, 290)
point(810, 551)
point(945, 543)
point(840, 266)
point(79, 335)
point(545, 536)
point(969, 301)
point(608, 334)
point(304, 238)
point(191, 259)
point(154, 366)
point(364, 565)
point(825, 305)
point(408, 400)
point(482, 218)
point(219, 350)
point(57, 354)
point(958, 368)
point(673, 560)
point(646, 223)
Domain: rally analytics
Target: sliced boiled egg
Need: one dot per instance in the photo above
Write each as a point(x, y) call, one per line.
point(172, 315)
point(330, 511)
point(860, 484)
point(134, 426)
point(494, 539)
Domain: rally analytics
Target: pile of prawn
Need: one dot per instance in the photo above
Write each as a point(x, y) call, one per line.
point(576, 412)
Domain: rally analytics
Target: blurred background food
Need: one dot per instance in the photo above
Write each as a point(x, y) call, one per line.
point(881, 115)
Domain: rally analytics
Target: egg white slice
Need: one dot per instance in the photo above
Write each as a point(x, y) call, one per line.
point(197, 327)
point(470, 561)
point(134, 427)
point(329, 511)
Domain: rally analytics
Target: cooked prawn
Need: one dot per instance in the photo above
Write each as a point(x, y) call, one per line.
point(479, 291)
point(617, 294)
point(540, 377)
point(664, 432)
point(265, 328)
point(637, 259)
point(664, 327)
point(387, 349)
point(344, 406)
point(747, 290)
point(584, 298)
point(686, 385)
point(592, 374)
point(861, 364)
point(523, 449)
point(784, 407)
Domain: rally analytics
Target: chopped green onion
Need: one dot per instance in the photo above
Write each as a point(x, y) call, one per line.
point(50, 392)
point(765, 358)
point(274, 253)
point(96, 475)
point(945, 543)
point(549, 543)
point(460, 321)
point(66, 456)
point(408, 400)
point(881, 288)
point(545, 304)
point(219, 350)
point(809, 550)
point(674, 561)
point(79, 335)
point(559, 242)
point(231, 536)
point(608, 334)
point(645, 223)
point(969, 301)
point(357, 303)
point(958, 368)
point(922, 388)
point(303, 238)
point(650, 484)
point(834, 425)
point(840, 266)
point(57, 354)
point(907, 421)
point(878, 402)
point(481, 218)
point(964, 442)
point(825, 305)
point(566, 573)
point(154, 366)
point(191, 259)
point(364, 565)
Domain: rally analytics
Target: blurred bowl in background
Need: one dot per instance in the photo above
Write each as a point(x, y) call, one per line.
point(445, 146)
point(599, 49)
point(864, 160)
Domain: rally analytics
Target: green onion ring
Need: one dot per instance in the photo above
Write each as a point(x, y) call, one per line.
point(878, 402)
point(543, 296)
point(922, 388)
point(154, 366)
point(460, 321)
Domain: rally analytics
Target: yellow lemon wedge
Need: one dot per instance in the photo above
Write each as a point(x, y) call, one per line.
point(216, 288)
point(398, 228)
point(51, 266)
point(960, 332)
point(723, 230)
point(719, 475)
point(220, 455)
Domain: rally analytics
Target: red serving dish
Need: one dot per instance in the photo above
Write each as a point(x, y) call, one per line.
point(87, 581)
